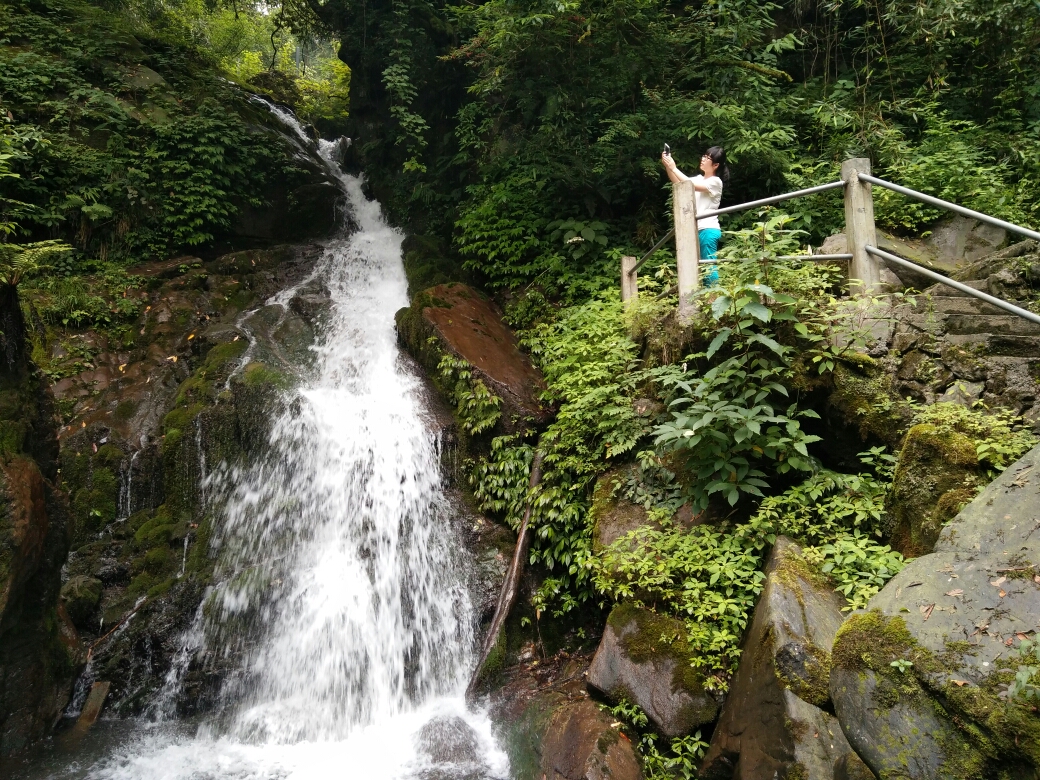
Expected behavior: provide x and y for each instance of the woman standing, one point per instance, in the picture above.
(707, 187)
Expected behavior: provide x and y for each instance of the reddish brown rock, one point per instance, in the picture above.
(581, 744)
(457, 320)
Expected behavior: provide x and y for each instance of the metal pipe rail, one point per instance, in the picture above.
(815, 257)
(743, 207)
(657, 246)
(920, 269)
(1009, 226)
(774, 199)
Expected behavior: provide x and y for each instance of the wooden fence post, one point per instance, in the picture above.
(629, 282)
(687, 247)
(859, 227)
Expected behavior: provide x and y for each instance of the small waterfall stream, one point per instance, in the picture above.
(340, 597)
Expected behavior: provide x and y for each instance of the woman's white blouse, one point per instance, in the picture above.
(708, 201)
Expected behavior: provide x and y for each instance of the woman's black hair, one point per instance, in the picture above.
(718, 156)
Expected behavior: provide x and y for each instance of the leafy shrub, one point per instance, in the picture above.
(676, 761)
(587, 360)
(709, 577)
(858, 565)
(728, 419)
(477, 408)
(1001, 437)
(1025, 688)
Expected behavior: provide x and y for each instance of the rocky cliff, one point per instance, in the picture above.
(39, 649)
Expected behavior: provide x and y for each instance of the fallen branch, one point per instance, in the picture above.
(511, 586)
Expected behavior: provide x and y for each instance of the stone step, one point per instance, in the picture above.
(999, 344)
(1003, 324)
(957, 304)
(945, 290)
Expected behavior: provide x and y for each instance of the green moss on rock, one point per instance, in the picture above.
(862, 394)
(935, 474)
(657, 636)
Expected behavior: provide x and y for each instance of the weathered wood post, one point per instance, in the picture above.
(629, 282)
(859, 226)
(687, 247)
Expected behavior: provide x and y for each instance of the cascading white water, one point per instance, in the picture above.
(341, 594)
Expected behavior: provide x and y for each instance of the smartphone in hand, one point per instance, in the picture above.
(667, 150)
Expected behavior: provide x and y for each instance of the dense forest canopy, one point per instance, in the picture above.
(482, 125)
(566, 105)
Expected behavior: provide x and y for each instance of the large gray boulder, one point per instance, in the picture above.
(773, 723)
(633, 664)
(950, 621)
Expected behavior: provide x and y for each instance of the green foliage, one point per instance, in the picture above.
(857, 564)
(587, 359)
(1001, 437)
(676, 761)
(728, 419)
(837, 517)
(1025, 688)
(707, 576)
(123, 141)
(18, 261)
(580, 238)
(477, 408)
(825, 504)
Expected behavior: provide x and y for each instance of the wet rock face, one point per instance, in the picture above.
(950, 619)
(197, 386)
(581, 744)
(39, 649)
(455, 319)
(775, 722)
(632, 663)
(551, 729)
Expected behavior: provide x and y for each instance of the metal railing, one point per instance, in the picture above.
(945, 204)
(860, 233)
(744, 207)
(990, 299)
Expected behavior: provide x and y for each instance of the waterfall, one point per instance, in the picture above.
(339, 595)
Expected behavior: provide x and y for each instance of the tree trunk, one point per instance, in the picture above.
(511, 585)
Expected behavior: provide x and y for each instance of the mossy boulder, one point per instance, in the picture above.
(612, 515)
(936, 470)
(644, 659)
(862, 397)
(951, 619)
(775, 721)
(80, 596)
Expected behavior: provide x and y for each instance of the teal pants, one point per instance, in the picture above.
(709, 241)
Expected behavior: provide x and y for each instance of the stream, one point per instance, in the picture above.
(340, 596)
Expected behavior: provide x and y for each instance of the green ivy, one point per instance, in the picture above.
(678, 759)
(477, 408)
(707, 576)
(588, 362)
